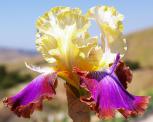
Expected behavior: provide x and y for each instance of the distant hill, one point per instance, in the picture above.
(13, 55)
(140, 47)
(22, 51)
(14, 58)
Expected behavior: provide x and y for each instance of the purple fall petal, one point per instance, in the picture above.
(109, 95)
(31, 97)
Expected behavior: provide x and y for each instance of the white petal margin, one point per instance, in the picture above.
(39, 69)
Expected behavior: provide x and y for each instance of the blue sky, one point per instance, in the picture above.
(17, 17)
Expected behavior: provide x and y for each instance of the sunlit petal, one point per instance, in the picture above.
(59, 33)
(110, 22)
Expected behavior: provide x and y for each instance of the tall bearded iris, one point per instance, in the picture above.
(64, 41)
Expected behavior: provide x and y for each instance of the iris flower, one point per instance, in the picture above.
(82, 61)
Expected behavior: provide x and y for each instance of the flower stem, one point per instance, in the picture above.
(78, 111)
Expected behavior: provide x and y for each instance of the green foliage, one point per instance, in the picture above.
(9, 79)
(2, 72)
(150, 107)
(133, 65)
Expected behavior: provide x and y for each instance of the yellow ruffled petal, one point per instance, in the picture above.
(95, 56)
(106, 15)
(110, 22)
(89, 53)
(44, 44)
(89, 58)
(61, 32)
(85, 43)
(58, 10)
(61, 9)
(72, 18)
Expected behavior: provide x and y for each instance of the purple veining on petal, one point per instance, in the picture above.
(113, 67)
(30, 98)
(109, 95)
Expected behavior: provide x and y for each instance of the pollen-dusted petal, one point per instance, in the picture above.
(124, 74)
(24, 103)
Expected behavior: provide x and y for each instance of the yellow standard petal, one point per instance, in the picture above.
(59, 32)
(110, 22)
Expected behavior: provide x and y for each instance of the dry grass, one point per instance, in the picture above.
(140, 47)
(142, 82)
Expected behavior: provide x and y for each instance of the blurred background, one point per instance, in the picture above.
(17, 45)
